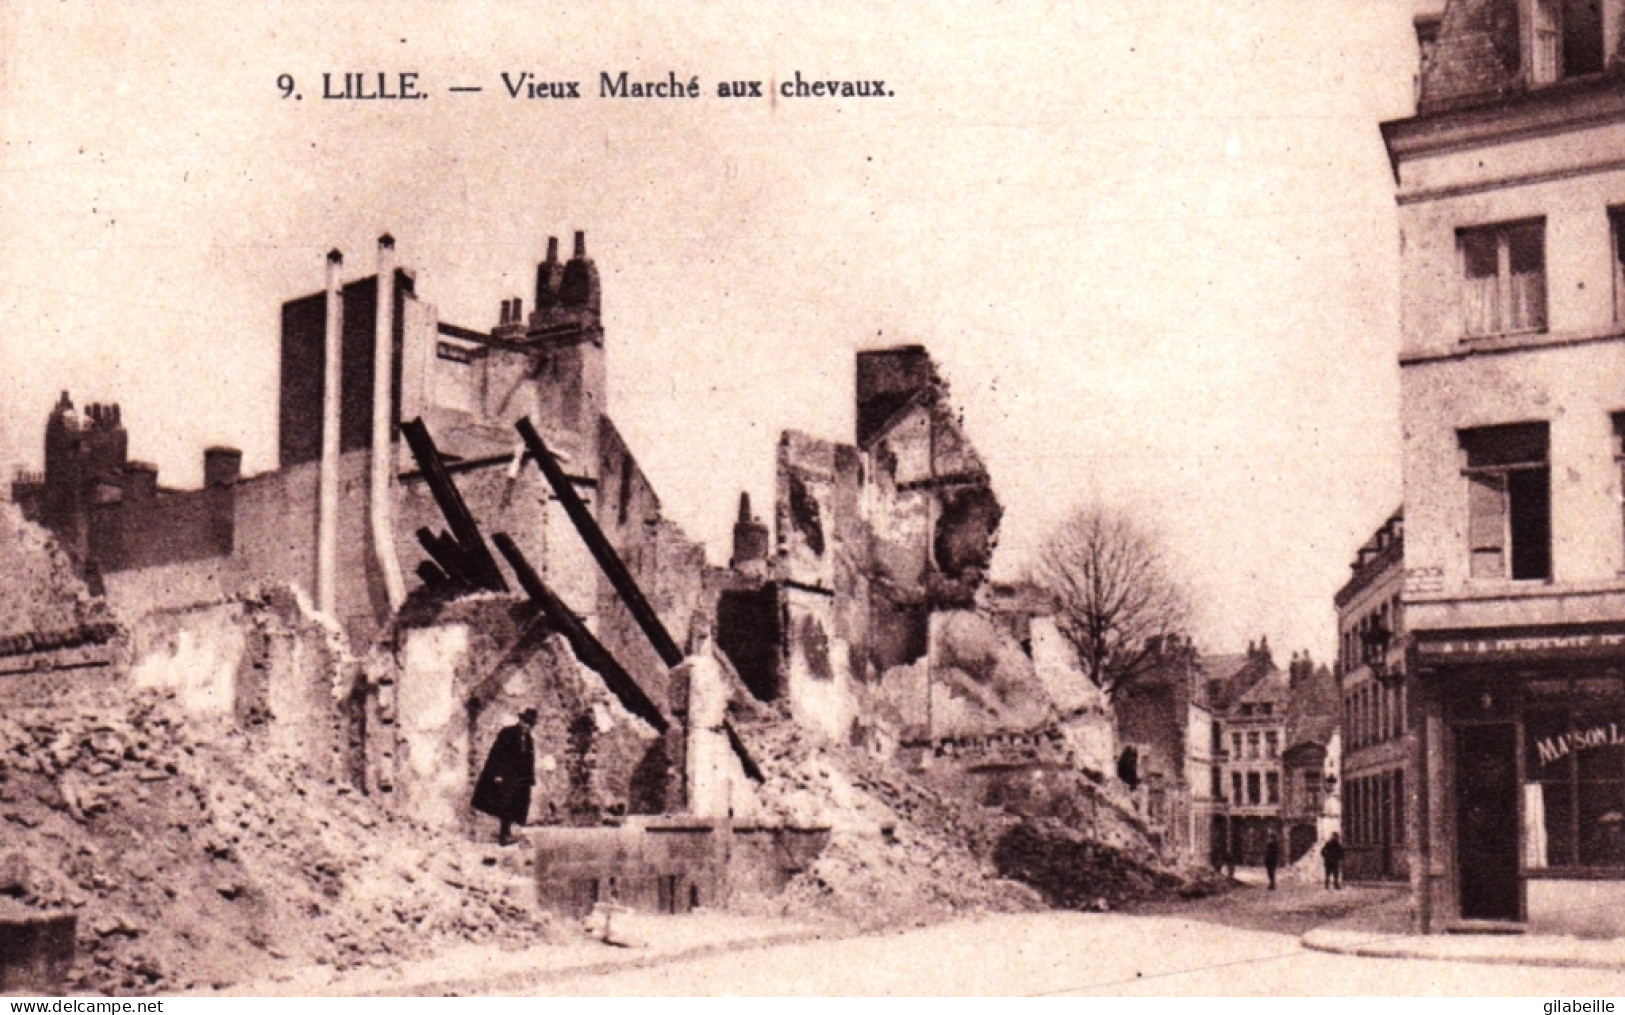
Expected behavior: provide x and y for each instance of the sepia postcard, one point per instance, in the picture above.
(1108, 497)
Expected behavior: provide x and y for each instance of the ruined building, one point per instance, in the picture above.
(872, 619)
(346, 519)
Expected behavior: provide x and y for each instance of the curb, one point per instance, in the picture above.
(530, 978)
(1376, 947)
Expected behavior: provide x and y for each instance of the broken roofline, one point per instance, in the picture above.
(586, 647)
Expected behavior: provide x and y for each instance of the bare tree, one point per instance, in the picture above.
(1115, 597)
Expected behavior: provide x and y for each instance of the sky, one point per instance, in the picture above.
(1151, 244)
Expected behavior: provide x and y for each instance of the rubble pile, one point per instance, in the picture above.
(898, 852)
(195, 855)
(41, 593)
(1075, 871)
(906, 849)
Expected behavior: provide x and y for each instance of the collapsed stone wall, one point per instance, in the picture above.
(42, 594)
(196, 805)
(446, 683)
(823, 599)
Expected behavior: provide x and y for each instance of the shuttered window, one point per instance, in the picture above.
(1508, 501)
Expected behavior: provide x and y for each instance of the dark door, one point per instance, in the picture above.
(1487, 821)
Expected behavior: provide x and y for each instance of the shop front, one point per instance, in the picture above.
(1520, 735)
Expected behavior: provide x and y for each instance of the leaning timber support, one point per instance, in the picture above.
(587, 647)
(482, 566)
(625, 586)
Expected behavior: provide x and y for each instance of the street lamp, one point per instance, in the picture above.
(1374, 641)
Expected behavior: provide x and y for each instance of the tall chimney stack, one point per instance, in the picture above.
(327, 497)
(383, 459)
(548, 276)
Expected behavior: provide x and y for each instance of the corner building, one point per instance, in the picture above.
(1511, 195)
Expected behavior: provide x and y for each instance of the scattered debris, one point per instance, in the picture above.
(195, 858)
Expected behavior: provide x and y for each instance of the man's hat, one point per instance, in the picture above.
(528, 715)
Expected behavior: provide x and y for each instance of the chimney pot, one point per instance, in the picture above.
(581, 246)
(505, 312)
(552, 250)
(334, 257)
(386, 241)
(221, 466)
(518, 309)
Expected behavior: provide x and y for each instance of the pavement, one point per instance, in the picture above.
(640, 940)
(1373, 921)
(1368, 922)
(1383, 931)
(1492, 949)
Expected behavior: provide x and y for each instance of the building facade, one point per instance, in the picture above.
(1254, 734)
(1308, 790)
(1371, 682)
(1167, 741)
(1511, 195)
(1245, 740)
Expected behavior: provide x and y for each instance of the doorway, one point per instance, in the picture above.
(1487, 821)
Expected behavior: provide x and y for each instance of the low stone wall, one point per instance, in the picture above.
(668, 864)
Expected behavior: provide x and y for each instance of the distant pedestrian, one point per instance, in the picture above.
(503, 789)
(1272, 858)
(1332, 853)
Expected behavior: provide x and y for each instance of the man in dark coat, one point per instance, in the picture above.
(1272, 858)
(503, 789)
(1332, 854)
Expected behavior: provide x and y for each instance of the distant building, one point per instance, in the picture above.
(1165, 737)
(1511, 195)
(1268, 728)
(1252, 702)
(1311, 737)
(1377, 756)
(109, 513)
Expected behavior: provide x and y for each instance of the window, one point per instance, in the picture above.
(1399, 807)
(1235, 748)
(1253, 795)
(625, 491)
(1567, 39)
(1272, 745)
(1619, 460)
(1272, 781)
(1252, 745)
(1509, 503)
(1616, 220)
(1235, 787)
(1218, 784)
(1311, 791)
(1246, 710)
(1266, 709)
(1503, 278)
(1217, 742)
(1574, 801)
